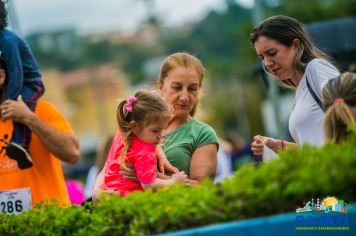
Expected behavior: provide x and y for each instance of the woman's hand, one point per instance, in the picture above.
(162, 176)
(260, 141)
(180, 177)
(163, 163)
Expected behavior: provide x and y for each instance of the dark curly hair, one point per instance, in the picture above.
(3, 14)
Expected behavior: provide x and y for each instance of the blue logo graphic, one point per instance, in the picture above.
(328, 214)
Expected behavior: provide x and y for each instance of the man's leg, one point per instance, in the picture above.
(17, 149)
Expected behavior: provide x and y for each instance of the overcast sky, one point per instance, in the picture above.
(108, 15)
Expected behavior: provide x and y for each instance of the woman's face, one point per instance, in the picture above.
(277, 57)
(180, 90)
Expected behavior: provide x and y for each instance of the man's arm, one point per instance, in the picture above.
(63, 145)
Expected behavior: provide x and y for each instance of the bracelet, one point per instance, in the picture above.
(282, 144)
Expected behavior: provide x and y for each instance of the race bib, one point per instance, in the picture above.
(15, 201)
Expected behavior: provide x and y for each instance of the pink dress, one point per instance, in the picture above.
(141, 155)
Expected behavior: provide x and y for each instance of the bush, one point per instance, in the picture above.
(270, 188)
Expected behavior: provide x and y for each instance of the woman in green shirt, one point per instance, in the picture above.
(189, 145)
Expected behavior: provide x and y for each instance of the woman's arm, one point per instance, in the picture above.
(274, 144)
(98, 185)
(203, 164)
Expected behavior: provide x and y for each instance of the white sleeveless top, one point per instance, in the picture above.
(305, 121)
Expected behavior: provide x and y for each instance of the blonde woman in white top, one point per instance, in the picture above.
(289, 55)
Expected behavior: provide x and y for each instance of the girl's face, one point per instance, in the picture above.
(277, 57)
(180, 90)
(151, 134)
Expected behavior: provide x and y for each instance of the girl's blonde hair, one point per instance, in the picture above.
(103, 152)
(339, 96)
(148, 108)
(182, 59)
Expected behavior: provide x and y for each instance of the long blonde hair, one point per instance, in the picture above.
(148, 108)
(182, 59)
(103, 152)
(285, 30)
(339, 97)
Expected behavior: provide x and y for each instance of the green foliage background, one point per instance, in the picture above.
(254, 191)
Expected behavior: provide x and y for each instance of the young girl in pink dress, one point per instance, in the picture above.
(141, 119)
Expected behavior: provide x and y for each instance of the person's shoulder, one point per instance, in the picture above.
(45, 108)
(197, 124)
(138, 145)
(321, 69)
(205, 134)
(141, 152)
(51, 115)
(9, 36)
(318, 72)
(44, 104)
(319, 63)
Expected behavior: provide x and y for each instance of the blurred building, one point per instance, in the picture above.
(88, 98)
(63, 42)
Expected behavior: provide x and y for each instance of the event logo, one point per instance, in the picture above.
(3, 144)
(328, 214)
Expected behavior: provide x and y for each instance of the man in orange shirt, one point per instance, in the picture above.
(52, 141)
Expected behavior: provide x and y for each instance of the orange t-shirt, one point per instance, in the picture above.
(45, 178)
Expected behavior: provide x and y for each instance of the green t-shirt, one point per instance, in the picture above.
(180, 144)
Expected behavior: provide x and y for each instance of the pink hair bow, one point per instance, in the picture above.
(338, 100)
(129, 102)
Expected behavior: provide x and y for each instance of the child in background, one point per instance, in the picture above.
(75, 191)
(23, 78)
(339, 100)
(141, 119)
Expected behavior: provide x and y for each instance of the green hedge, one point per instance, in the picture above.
(253, 191)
